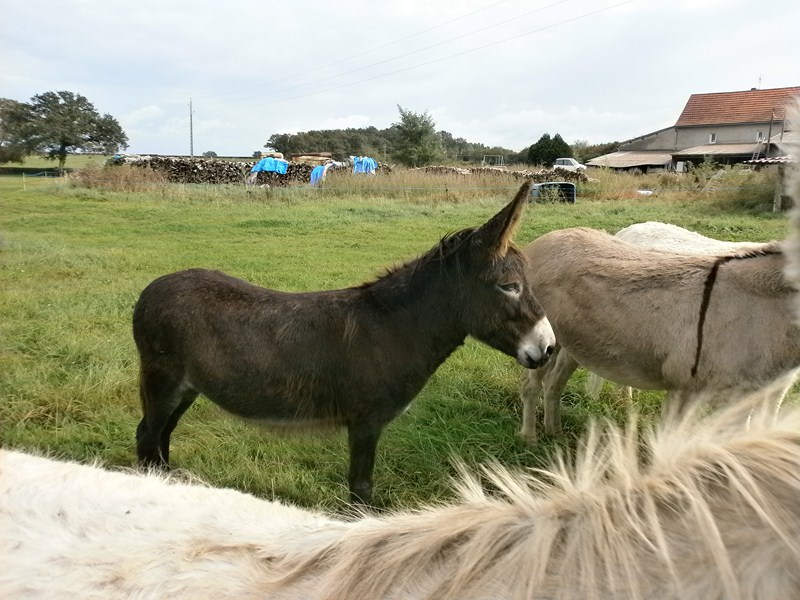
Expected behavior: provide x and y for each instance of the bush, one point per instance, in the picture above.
(121, 178)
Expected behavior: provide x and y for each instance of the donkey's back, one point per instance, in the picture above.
(258, 353)
(667, 237)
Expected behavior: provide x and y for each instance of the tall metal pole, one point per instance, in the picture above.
(191, 130)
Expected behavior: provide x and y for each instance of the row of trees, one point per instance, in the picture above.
(414, 141)
(55, 124)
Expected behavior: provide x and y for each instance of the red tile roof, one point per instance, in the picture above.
(752, 106)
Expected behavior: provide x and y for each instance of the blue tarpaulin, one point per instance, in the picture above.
(317, 174)
(364, 164)
(270, 164)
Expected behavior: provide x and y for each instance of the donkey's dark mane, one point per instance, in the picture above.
(452, 244)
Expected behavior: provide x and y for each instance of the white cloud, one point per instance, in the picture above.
(144, 114)
(354, 121)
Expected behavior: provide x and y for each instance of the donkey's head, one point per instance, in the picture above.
(499, 307)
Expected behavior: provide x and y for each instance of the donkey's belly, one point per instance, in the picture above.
(638, 370)
(303, 425)
(275, 402)
(626, 374)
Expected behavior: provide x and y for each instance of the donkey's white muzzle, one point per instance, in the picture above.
(536, 347)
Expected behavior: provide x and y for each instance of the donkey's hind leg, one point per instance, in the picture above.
(164, 400)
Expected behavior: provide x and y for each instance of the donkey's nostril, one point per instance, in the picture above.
(548, 352)
(535, 360)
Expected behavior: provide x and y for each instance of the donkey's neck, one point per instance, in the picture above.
(423, 298)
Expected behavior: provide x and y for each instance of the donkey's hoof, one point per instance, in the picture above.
(361, 495)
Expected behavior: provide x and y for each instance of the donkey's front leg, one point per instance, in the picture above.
(363, 441)
(530, 391)
(555, 381)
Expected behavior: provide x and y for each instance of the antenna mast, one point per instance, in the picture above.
(191, 130)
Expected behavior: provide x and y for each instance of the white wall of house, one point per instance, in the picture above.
(664, 139)
(675, 139)
(688, 137)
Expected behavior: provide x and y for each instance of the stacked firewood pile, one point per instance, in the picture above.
(179, 169)
(557, 174)
(493, 171)
(441, 170)
(295, 173)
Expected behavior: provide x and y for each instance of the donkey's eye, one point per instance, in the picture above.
(513, 288)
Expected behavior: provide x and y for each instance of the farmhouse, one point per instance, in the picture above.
(729, 127)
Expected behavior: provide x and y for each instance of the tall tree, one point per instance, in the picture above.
(561, 148)
(417, 142)
(539, 152)
(56, 123)
(547, 149)
(11, 148)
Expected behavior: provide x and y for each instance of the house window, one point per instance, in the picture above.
(760, 136)
(712, 138)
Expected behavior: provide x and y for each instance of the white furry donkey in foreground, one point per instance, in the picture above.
(702, 508)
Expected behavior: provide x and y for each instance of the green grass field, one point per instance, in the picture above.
(74, 261)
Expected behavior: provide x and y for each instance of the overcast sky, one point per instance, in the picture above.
(495, 72)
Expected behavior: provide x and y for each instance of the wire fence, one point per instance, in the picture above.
(420, 188)
(28, 178)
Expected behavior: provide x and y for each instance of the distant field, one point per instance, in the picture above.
(33, 164)
(74, 261)
(74, 161)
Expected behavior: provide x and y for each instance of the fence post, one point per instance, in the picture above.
(777, 198)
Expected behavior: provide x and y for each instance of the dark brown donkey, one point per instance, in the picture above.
(354, 357)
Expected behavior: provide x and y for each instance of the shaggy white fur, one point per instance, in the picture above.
(706, 508)
(76, 531)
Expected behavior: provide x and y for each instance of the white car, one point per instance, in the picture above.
(568, 164)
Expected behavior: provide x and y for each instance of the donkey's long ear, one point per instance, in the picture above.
(498, 231)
